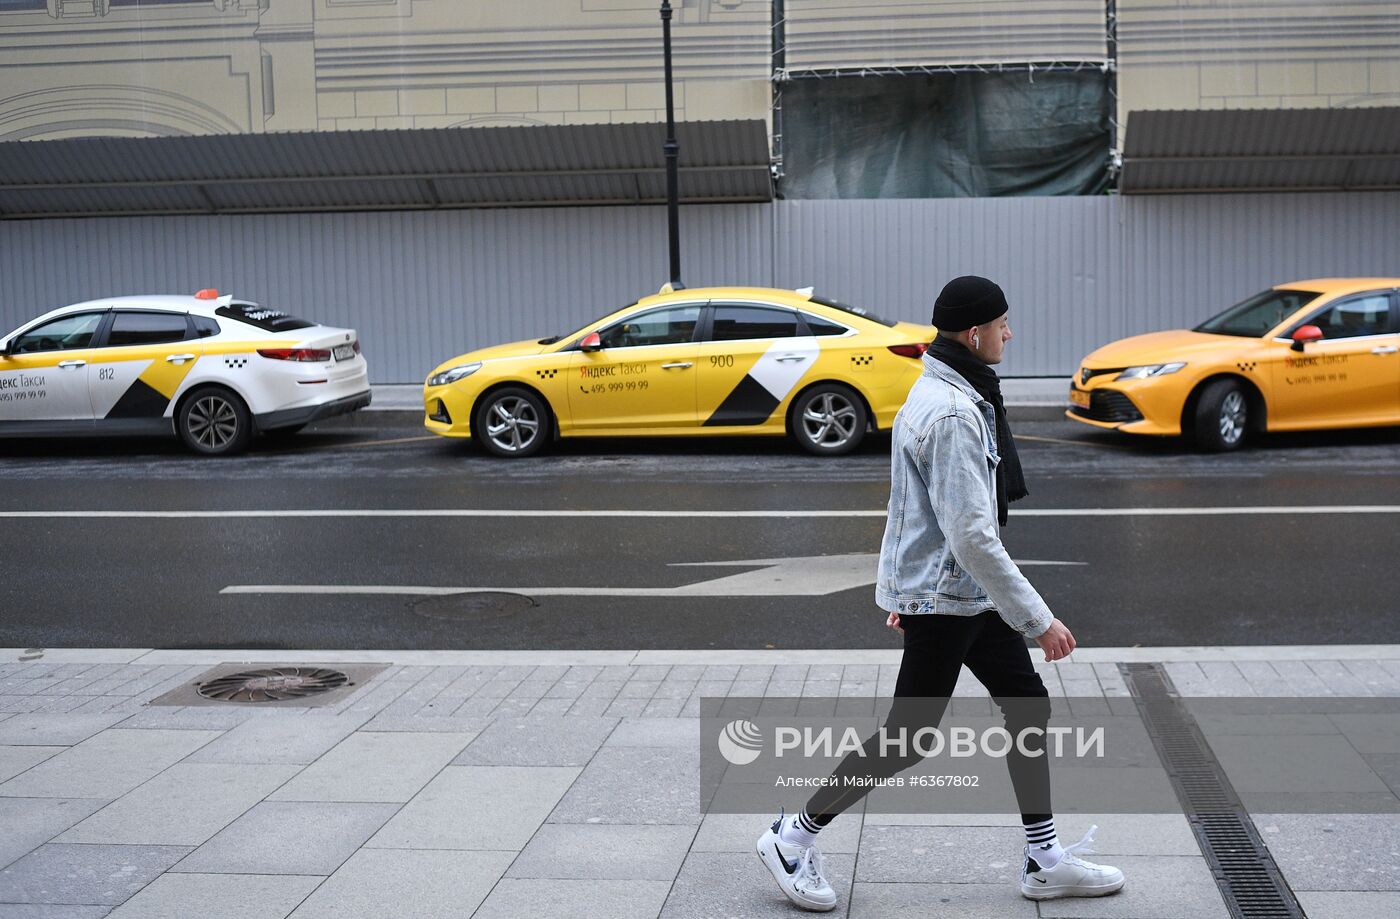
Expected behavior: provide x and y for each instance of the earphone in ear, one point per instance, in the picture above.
(975, 343)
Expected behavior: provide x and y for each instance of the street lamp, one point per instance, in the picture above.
(673, 153)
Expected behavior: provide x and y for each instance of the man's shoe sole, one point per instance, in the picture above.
(1056, 893)
(792, 897)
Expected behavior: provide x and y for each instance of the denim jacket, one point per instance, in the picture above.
(941, 551)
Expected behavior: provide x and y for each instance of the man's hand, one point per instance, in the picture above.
(1056, 641)
(893, 622)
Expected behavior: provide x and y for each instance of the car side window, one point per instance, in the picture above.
(658, 327)
(739, 322)
(63, 334)
(132, 328)
(204, 327)
(816, 325)
(1354, 317)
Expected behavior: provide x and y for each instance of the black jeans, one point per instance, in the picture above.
(935, 649)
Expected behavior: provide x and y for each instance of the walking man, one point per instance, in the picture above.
(957, 598)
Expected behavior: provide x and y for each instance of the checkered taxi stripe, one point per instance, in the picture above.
(546, 374)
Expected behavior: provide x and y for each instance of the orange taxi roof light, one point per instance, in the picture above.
(207, 293)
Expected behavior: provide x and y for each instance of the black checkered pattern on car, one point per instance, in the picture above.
(1247, 366)
(862, 360)
(546, 374)
(235, 362)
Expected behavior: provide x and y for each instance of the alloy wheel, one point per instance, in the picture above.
(829, 420)
(213, 422)
(512, 424)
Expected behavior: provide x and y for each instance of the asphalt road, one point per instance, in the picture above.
(560, 578)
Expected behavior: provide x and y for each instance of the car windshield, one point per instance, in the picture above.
(1256, 316)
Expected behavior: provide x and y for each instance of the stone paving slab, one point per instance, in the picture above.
(514, 898)
(183, 896)
(107, 765)
(374, 767)
(85, 875)
(610, 852)
(28, 823)
(478, 807)
(289, 837)
(184, 806)
(378, 883)
(41, 911)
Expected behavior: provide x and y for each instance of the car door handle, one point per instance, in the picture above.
(66, 364)
(1387, 349)
(179, 358)
(789, 358)
(678, 365)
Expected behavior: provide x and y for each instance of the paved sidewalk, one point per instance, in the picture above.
(544, 784)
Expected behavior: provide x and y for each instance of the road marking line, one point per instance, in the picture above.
(1259, 510)
(810, 576)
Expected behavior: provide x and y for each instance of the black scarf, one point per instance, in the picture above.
(1011, 484)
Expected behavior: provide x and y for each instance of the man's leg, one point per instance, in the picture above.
(934, 648)
(1001, 661)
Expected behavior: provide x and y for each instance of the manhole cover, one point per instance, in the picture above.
(273, 685)
(474, 607)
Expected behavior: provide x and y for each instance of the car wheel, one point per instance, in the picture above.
(214, 422)
(512, 422)
(1222, 417)
(829, 420)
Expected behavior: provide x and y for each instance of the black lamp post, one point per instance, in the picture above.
(673, 153)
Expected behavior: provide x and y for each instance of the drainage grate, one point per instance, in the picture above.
(1245, 872)
(277, 684)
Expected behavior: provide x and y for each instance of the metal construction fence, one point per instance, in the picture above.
(422, 286)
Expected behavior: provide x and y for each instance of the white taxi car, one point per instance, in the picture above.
(214, 369)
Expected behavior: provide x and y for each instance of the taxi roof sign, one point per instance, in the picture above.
(208, 293)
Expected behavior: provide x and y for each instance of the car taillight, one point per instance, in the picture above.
(295, 354)
(914, 351)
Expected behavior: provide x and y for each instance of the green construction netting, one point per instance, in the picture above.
(946, 135)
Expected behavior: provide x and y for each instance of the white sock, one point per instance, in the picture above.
(797, 832)
(1043, 844)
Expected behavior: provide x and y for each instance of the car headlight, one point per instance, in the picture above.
(453, 374)
(1149, 370)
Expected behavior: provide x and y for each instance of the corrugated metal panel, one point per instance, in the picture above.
(832, 34)
(384, 166)
(1266, 149)
(422, 286)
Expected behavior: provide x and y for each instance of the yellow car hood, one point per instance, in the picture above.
(1164, 347)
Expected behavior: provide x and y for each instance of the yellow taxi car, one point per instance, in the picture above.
(1300, 356)
(703, 361)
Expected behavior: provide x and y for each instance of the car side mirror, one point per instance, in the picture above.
(1304, 335)
(4, 349)
(592, 342)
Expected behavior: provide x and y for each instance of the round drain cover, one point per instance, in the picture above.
(475, 607)
(273, 685)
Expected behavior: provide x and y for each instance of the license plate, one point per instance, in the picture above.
(344, 352)
(1079, 398)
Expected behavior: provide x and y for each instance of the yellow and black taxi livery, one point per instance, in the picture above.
(718, 361)
(1307, 355)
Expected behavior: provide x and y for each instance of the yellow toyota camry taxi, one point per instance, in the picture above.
(1299, 356)
(704, 361)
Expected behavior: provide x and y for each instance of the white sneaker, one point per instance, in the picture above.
(797, 869)
(1072, 876)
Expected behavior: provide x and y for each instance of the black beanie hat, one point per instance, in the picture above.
(968, 301)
